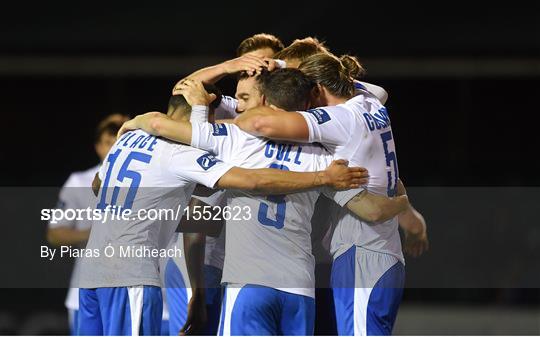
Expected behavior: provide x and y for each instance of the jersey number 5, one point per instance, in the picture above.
(391, 163)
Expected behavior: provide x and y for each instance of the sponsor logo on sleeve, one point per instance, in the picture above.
(206, 161)
(219, 130)
(321, 115)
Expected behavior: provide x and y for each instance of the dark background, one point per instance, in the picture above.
(463, 81)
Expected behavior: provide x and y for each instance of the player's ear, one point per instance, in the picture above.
(264, 101)
(315, 94)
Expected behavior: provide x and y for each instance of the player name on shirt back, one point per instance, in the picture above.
(141, 142)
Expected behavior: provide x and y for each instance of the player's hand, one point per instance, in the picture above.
(139, 122)
(414, 226)
(196, 317)
(271, 64)
(194, 92)
(249, 63)
(341, 177)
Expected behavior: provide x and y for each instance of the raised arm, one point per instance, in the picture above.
(272, 123)
(159, 124)
(272, 181)
(249, 63)
(376, 90)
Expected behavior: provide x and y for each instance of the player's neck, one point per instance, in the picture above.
(179, 116)
(332, 100)
(328, 99)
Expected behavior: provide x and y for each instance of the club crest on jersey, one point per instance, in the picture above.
(219, 130)
(206, 161)
(321, 115)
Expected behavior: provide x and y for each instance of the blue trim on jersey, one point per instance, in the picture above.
(260, 310)
(175, 287)
(106, 311)
(359, 85)
(384, 301)
(342, 283)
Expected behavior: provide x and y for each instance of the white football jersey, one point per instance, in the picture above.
(359, 130)
(227, 108)
(143, 174)
(76, 194)
(268, 239)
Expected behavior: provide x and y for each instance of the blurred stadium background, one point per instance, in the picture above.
(463, 82)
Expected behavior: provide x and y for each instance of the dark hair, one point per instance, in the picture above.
(259, 41)
(179, 101)
(287, 88)
(301, 49)
(109, 125)
(336, 75)
(110, 128)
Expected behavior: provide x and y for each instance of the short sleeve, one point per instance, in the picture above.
(227, 108)
(214, 199)
(379, 92)
(329, 125)
(199, 114)
(223, 140)
(194, 165)
(342, 197)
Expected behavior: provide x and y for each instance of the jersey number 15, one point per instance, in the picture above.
(124, 172)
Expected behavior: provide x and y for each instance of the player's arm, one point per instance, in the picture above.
(199, 135)
(377, 208)
(328, 125)
(194, 250)
(379, 92)
(159, 124)
(248, 63)
(414, 227)
(275, 124)
(194, 221)
(272, 181)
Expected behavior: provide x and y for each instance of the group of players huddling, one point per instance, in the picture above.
(302, 127)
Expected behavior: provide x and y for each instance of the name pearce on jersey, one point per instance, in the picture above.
(141, 141)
